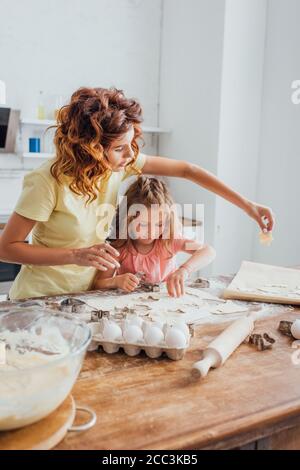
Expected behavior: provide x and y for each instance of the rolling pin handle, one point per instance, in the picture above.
(201, 368)
(211, 359)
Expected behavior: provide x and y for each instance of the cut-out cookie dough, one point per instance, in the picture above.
(195, 305)
(266, 238)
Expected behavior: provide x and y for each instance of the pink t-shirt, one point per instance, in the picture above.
(157, 265)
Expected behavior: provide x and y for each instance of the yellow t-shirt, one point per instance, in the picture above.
(64, 220)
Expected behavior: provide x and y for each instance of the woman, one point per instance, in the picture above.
(64, 201)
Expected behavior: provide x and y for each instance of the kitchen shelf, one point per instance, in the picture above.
(37, 155)
(49, 122)
(38, 122)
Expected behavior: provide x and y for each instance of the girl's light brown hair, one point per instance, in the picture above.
(148, 192)
(86, 127)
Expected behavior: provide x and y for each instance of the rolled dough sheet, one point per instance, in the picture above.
(265, 283)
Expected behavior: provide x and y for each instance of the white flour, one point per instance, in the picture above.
(29, 392)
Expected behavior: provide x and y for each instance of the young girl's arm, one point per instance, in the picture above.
(169, 167)
(108, 280)
(202, 255)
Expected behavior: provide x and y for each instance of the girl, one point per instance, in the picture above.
(151, 241)
(96, 142)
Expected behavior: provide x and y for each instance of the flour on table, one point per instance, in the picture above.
(228, 307)
(197, 305)
(153, 301)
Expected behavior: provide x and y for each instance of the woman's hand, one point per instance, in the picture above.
(101, 257)
(175, 282)
(263, 216)
(127, 282)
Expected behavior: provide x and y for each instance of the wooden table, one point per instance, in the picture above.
(253, 401)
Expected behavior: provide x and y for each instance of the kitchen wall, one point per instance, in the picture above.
(191, 70)
(240, 128)
(226, 75)
(216, 72)
(279, 162)
(57, 46)
(210, 95)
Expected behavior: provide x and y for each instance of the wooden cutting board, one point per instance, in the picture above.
(44, 434)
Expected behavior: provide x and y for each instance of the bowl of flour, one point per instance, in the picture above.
(41, 354)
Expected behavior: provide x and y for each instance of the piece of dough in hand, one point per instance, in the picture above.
(266, 238)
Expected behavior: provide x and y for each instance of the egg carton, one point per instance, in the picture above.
(132, 349)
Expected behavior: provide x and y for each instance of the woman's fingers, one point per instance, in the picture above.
(104, 262)
(98, 266)
(101, 262)
(107, 247)
(271, 221)
(110, 259)
(264, 217)
(104, 257)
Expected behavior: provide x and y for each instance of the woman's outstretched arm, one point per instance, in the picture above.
(162, 166)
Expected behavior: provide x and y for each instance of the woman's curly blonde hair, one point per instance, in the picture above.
(86, 127)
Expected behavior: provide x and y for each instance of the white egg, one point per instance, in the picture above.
(124, 324)
(133, 334)
(111, 331)
(138, 321)
(158, 324)
(175, 338)
(153, 335)
(295, 329)
(182, 327)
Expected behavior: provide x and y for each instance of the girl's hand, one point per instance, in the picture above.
(127, 282)
(99, 256)
(175, 282)
(263, 216)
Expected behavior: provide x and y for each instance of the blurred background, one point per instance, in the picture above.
(215, 79)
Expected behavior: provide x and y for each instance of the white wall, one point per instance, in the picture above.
(59, 45)
(240, 125)
(279, 169)
(191, 66)
(223, 86)
(210, 95)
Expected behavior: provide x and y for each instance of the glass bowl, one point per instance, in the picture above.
(41, 360)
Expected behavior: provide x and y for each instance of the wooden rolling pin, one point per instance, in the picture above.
(223, 346)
